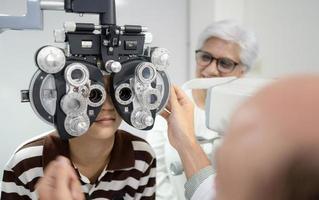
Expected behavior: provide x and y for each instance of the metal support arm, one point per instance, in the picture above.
(33, 19)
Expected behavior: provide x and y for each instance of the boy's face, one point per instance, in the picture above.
(108, 120)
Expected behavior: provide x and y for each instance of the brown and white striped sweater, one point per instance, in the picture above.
(130, 174)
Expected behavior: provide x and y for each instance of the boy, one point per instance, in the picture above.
(109, 163)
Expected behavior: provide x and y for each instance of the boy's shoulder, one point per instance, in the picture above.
(137, 152)
(29, 152)
(138, 144)
(25, 166)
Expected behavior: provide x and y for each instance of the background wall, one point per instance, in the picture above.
(288, 32)
(166, 20)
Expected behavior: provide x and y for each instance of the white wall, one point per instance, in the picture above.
(201, 13)
(288, 33)
(166, 20)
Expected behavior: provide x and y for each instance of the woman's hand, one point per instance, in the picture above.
(180, 118)
(59, 182)
(181, 134)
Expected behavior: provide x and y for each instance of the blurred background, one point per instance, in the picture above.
(287, 31)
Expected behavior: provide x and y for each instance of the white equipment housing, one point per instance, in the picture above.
(223, 99)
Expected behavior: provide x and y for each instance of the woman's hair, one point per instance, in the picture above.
(230, 30)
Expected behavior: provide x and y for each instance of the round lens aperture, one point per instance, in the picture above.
(97, 95)
(77, 74)
(145, 72)
(124, 94)
(152, 99)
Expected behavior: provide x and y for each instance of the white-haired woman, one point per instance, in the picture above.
(224, 49)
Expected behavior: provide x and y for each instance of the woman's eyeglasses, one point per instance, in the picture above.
(224, 65)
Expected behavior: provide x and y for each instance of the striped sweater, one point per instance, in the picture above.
(130, 173)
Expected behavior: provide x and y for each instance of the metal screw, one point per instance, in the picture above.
(106, 42)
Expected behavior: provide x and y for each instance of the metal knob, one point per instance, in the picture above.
(51, 59)
(77, 126)
(69, 26)
(80, 126)
(141, 118)
(73, 104)
(160, 58)
(112, 66)
(148, 120)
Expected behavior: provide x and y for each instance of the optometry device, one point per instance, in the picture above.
(224, 96)
(68, 91)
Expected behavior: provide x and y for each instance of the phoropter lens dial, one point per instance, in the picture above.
(77, 74)
(145, 72)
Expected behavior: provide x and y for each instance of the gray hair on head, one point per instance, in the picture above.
(230, 30)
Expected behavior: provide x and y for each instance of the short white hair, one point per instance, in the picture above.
(230, 30)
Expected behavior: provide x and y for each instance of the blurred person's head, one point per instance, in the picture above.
(224, 49)
(271, 150)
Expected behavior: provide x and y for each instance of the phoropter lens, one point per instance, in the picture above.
(146, 73)
(96, 95)
(153, 99)
(77, 75)
(125, 94)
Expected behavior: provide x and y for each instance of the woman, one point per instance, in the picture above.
(224, 49)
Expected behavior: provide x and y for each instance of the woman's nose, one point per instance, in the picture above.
(211, 70)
